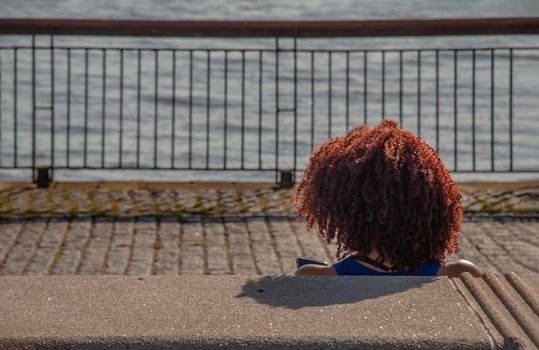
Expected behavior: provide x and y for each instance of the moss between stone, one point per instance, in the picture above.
(56, 257)
(25, 196)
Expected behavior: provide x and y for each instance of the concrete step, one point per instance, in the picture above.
(192, 312)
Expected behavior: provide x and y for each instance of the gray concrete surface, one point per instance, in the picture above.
(161, 312)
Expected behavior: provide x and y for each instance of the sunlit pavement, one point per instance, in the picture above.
(165, 229)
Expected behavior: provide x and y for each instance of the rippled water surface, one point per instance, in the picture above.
(243, 146)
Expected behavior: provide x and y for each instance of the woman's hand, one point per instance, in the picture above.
(316, 270)
(458, 267)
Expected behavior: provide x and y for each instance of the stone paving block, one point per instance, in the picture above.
(60, 202)
(144, 202)
(165, 200)
(20, 202)
(167, 250)
(186, 200)
(49, 247)
(24, 248)
(469, 251)
(264, 250)
(526, 230)
(495, 243)
(251, 202)
(208, 200)
(522, 257)
(80, 200)
(311, 246)
(39, 200)
(287, 204)
(231, 202)
(123, 203)
(143, 250)
(489, 247)
(101, 201)
(526, 205)
(75, 242)
(238, 246)
(94, 256)
(192, 247)
(9, 233)
(5, 200)
(216, 247)
(121, 246)
(286, 243)
(273, 203)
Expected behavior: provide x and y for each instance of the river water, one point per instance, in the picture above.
(260, 151)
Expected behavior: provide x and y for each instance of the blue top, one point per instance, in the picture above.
(349, 266)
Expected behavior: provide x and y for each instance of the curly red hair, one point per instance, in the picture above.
(382, 188)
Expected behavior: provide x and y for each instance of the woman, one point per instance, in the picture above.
(386, 198)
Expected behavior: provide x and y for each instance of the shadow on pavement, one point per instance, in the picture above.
(294, 292)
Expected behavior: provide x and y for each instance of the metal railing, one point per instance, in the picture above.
(262, 107)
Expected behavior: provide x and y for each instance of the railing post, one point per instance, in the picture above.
(34, 102)
(52, 97)
(286, 178)
(42, 176)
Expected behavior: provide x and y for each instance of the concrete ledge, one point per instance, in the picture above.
(267, 312)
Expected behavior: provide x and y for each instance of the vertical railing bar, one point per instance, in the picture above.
(347, 90)
(15, 102)
(455, 106)
(295, 105)
(473, 110)
(419, 92)
(242, 109)
(1, 107)
(492, 125)
(34, 103)
(276, 107)
(190, 109)
(365, 53)
(139, 81)
(400, 88)
(312, 100)
(383, 84)
(173, 116)
(437, 97)
(260, 109)
(330, 83)
(225, 128)
(53, 133)
(85, 147)
(121, 107)
(155, 106)
(103, 106)
(68, 108)
(208, 91)
(510, 109)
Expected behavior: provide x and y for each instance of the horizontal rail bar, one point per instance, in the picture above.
(219, 28)
(238, 169)
(263, 49)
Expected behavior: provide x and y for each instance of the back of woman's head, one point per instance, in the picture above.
(382, 188)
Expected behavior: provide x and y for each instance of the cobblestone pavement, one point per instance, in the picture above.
(107, 230)
(72, 200)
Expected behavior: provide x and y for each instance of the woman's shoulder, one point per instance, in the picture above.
(316, 270)
(451, 269)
